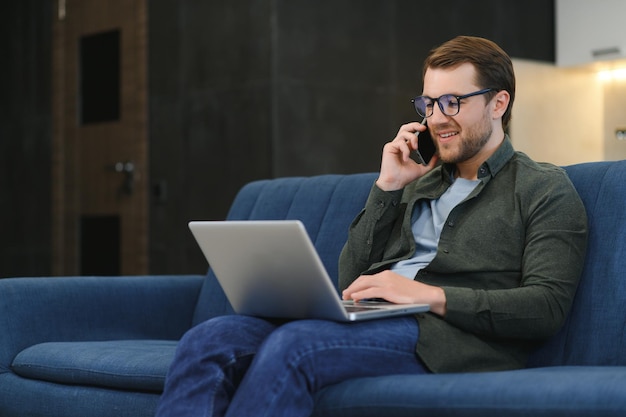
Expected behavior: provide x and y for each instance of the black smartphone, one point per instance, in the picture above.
(426, 147)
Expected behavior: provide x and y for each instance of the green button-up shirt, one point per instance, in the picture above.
(509, 259)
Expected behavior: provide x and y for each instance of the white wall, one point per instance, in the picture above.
(567, 115)
(614, 118)
(558, 113)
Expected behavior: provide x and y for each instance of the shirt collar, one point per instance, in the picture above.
(498, 160)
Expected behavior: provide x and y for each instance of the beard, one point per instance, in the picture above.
(470, 141)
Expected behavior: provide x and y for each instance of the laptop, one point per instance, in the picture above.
(271, 269)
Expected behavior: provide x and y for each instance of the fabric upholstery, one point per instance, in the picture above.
(541, 392)
(98, 363)
(22, 397)
(54, 323)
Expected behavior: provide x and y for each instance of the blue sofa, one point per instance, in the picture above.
(100, 346)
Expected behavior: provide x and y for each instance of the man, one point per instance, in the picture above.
(491, 240)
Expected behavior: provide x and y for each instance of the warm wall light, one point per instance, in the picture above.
(612, 74)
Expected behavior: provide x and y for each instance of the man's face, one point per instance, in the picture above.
(461, 137)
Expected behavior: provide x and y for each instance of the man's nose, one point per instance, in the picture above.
(438, 116)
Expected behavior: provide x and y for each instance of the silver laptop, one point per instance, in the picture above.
(271, 269)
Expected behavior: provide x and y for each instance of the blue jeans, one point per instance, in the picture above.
(244, 366)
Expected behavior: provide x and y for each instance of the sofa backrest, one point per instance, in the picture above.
(326, 204)
(595, 330)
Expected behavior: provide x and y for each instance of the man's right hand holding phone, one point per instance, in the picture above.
(397, 169)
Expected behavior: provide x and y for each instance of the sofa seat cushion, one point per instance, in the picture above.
(549, 392)
(138, 365)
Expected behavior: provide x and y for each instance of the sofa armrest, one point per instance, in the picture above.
(53, 309)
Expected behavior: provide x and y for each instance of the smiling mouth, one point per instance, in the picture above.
(447, 135)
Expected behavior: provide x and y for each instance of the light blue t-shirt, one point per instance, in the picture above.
(427, 222)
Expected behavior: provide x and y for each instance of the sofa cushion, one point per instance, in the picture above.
(126, 364)
(540, 392)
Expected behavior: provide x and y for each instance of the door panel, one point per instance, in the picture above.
(100, 138)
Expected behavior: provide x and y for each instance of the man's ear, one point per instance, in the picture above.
(500, 103)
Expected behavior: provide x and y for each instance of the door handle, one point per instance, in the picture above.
(128, 169)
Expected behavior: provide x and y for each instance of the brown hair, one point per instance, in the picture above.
(494, 68)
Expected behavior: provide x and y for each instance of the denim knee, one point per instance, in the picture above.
(229, 335)
(300, 337)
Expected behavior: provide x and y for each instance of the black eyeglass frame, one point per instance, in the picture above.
(441, 107)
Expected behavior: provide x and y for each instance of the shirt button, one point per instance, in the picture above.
(451, 223)
(381, 204)
(446, 251)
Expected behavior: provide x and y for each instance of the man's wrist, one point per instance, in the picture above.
(438, 306)
(389, 185)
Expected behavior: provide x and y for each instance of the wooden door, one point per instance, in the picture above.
(99, 178)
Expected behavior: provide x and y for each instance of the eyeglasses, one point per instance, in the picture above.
(449, 104)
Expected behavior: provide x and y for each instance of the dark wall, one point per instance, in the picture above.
(210, 116)
(345, 70)
(25, 138)
(241, 90)
(256, 89)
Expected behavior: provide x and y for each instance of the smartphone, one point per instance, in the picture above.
(425, 147)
